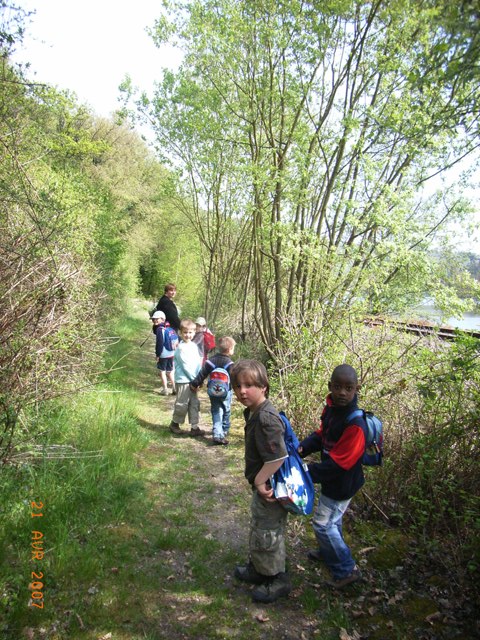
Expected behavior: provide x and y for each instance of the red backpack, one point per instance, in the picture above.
(208, 341)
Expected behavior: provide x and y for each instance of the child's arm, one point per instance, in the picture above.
(342, 457)
(349, 448)
(310, 444)
(269, 436)
(262, 478)
(204, 371)
(159, 342)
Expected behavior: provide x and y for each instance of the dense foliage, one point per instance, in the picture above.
(300, 136)
(79, 197)
(305, 134)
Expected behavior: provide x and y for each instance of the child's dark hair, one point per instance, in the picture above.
(169, 287)
(344, 370)
(253, 370)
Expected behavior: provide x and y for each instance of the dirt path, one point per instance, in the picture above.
(218, 497)
(216, 466)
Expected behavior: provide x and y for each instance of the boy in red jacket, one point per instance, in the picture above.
(340, 473)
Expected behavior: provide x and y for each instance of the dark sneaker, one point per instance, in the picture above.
(196, 431)
(339, 583)
(175, 427)
(315, 555)
(248, 573)
(274, 588)
(174, 392)
(220, 441)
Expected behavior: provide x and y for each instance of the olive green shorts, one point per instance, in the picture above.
(267, 536)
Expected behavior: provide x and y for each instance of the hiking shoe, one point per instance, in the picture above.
(164, 392)
(196, 431)
(274, 588)
(174, 392)
(220, 441)
(248, 573)
(175, 427)
(339, 583)
(315, 555)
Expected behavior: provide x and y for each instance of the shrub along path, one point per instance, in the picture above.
(164, 565)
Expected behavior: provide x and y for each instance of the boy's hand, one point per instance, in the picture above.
(265, 491)
(192, 388)
(300, 451)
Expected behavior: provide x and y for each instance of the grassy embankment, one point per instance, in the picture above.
(140, 541)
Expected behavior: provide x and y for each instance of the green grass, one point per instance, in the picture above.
(141, 541)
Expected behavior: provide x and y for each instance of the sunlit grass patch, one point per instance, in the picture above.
(91, 481)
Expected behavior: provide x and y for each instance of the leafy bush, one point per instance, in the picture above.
(74, 193)
(427, 393)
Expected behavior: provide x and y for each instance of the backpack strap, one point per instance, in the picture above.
(215, 366)
(355, 414)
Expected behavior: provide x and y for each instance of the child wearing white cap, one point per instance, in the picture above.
(165, 344)
(204, 338)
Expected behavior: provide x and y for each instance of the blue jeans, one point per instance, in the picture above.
(221, 415)
(327, 524)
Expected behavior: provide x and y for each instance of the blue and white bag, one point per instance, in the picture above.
(292, 484)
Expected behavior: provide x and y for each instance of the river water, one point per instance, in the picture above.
(468, 321)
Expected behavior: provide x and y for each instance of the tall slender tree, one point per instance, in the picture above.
(311, 127)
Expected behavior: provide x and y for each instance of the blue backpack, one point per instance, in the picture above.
(373, 455)
(292, 484)
(170, 339)
(218, 384)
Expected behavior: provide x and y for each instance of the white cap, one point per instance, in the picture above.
(201, 321)
(158, 314)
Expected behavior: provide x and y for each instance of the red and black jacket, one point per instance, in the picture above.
(342, 445)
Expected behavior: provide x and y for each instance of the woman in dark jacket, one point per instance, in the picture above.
(168, 306)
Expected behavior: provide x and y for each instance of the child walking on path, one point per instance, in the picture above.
(187, 365)
(340, 473)
(220, 406)
(164, 356)
(264, 454)
(203, 338)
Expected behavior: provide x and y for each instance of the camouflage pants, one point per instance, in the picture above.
(267, 536)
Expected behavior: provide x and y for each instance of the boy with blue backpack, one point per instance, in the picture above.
(219, 388)
(341, 439)
(165, 344)
(265, 452)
